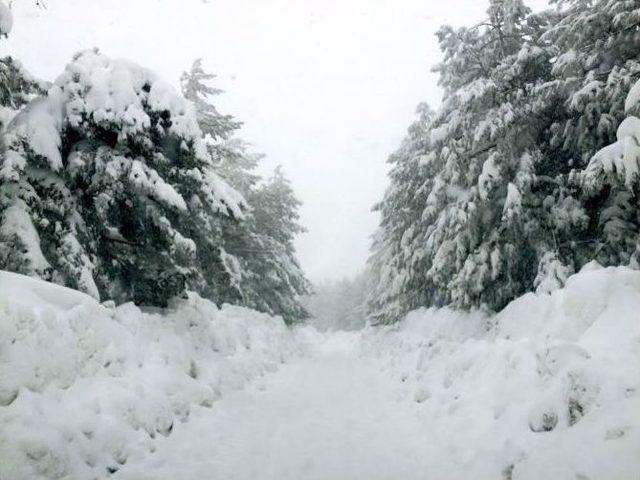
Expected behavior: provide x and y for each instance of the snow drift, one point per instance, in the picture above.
(86, 388)
(548, 388)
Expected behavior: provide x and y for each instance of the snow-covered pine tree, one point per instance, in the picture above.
(491, 230)
(106, 186)
(529, 99)
(399, 261)
(477, 159)
(258, 252)
(196, 87)
(273, 281)
(227, 154)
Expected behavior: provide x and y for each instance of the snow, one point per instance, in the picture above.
(16, 221)
(489, 176)
(439, 134)
(528, 53)
(513, 202)
(475, 90)
(6, 19)
(152, 184)
(12, 164)
(87, 388)
(114, 92)
(586, 94)
(73, 249)
(39, 124)
(552, 274)
(328, 416)
(633, 98)
(547, 388)
(620, 159)
(224, 198)
(565, 63)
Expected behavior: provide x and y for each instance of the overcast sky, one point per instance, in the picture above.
(325, 88)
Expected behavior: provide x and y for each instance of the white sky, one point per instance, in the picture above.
(327, 88)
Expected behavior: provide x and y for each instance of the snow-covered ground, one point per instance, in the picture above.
(87, 389)
(329, 416)
(549, 388)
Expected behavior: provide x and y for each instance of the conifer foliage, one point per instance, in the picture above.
(495, 194)
(259, 251)
(115, 184)
(274, 281)
(107, 186)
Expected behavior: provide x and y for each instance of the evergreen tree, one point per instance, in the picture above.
(497, 204)
(398, 255)
(273, 281)
(469, 170)
(196, 87)
(106, 186)
(258, 252)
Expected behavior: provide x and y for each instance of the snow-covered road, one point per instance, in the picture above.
(331, 415)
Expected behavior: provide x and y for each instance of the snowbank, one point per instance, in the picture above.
(548, 388)
(85, 388)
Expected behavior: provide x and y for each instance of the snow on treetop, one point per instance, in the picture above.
(113, 93)
(6, 19)
(121, 92)
(121, 97)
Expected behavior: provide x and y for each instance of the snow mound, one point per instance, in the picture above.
(548, 388)
(86, 388)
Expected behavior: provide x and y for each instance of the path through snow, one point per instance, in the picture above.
(331, 415)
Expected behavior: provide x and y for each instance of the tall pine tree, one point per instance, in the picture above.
(259, 252)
